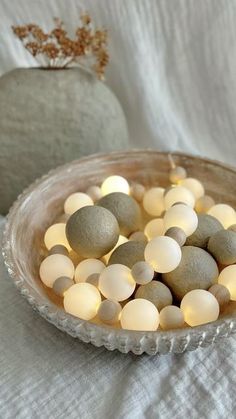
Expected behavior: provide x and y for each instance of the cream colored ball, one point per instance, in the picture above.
(227, 278)
(171, 317)
(163, 254)
(153, 201)
(56, 235)
(154, 228)
(194, 186)
(116, 282)
(179, 194)
(224, 213)
(76, 201)
(181, 216)
(133, 318)
(82, 300)
(88, 267)
(199, 307)
(115, 184)
(55, 266)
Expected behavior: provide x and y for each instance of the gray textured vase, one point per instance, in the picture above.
(48, 117)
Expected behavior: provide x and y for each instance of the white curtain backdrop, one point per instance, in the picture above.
(173, 65)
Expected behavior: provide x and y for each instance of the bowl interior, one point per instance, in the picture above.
(42, 203)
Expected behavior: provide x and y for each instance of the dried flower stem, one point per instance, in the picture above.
(60, 51)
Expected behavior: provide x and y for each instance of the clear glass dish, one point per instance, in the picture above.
(40, 204)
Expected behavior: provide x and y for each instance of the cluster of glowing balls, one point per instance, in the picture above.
(94, 289)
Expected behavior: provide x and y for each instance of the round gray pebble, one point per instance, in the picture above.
(207, 226)
(222, 246)
(142, 273)
(61, 285)
(125, 209)
(156, 292)
(109, 311)
(128, 253)
(197, 270)
(92, 231)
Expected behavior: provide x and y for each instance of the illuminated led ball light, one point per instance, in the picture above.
(76, 201)
(154, 228)
(55, 266)
(227, 278)
(194, 186)
(153, 201)
(133, 318)
(179, 194)
(82, 300)
(224, 213)
(88, 267)
(199, 307)
(56, 235)
(115, 184)
(181, 216)
(116, 282)
(163, 254)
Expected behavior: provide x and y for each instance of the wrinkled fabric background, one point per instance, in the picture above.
(173, 68)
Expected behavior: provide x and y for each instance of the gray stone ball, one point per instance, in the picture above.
(156, 292)
(92, 231)
(128, 253)
(222, 245)
(197, 270)
(125, 209)
(207, 226)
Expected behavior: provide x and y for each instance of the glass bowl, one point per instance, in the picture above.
(40, 204)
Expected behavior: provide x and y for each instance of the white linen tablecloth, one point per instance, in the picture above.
(46, 374)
